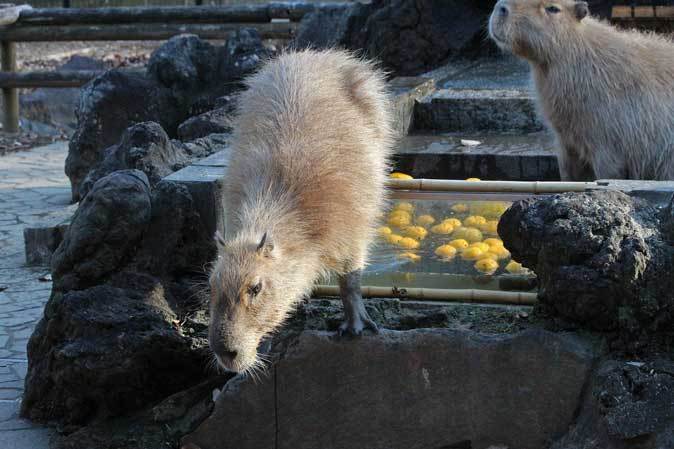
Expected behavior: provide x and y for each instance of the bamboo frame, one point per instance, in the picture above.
(437, 294)
(446, 185)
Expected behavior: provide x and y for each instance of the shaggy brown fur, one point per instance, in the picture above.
(304, 187)
(608, 94)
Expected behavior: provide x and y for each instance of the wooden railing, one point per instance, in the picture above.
(642, 12)
(273, 21)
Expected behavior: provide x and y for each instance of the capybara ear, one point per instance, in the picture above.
(581, 10)
(265, 247)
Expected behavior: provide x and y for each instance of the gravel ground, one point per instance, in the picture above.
(49, 55)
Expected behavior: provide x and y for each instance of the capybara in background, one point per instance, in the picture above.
(608, 94)
(303, 192)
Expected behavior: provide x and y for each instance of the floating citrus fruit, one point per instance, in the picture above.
(404, 206)
(459, 243)
(416, 232)
(394, 238)
(471, 253)
(455, 222)
(398, 175)
(487, 266)
(410, 256)
(384, 231)
(493, 242)
(424, 220)
(514, 267)
(459, 208)
(445, 251)
(470, 234)
(442, 228)
(475, 221)
(408, 243)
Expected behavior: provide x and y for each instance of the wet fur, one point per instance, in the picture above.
(607, 94)
(309, 158)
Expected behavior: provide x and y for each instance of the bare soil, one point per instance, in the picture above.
(50, 55)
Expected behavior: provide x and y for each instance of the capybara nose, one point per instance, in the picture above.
(230, 354)
(502, 11)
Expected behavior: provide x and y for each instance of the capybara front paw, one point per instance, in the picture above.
(355, 325)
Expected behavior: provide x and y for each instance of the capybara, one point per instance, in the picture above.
(607, 94)
(303, 192)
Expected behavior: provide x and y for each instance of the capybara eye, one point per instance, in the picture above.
(255, 289)
(552, 9)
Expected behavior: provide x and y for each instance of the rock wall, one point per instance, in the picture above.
(125, 325)
(409, 37)
(603, 259)
(184, 78)
(627, 405)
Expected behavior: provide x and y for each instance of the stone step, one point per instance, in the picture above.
(505, 157)
(471, 110)
(42, 238)
(405, 92)
(204, 182)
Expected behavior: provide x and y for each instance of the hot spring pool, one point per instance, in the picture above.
(445, 240)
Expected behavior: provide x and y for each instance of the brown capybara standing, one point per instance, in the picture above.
(303, 190)
(608, 94)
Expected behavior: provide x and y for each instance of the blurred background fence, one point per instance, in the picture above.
(112, 3)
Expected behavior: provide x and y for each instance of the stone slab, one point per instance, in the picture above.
(423, 388)
(657, 192)
(205, 185)
(41, 242)
(505, 157)
(219, 159)
(240, 396)
(504, 72)
(406, 91)
(494, 110)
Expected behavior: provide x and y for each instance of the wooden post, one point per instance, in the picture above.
(10, 95)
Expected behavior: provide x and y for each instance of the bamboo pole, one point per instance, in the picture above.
(10, 95)
(446, 185)
(140, 31)
(436, 294)
(61, 78)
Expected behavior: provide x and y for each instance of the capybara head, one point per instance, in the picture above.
(535, 29)
(246, 301)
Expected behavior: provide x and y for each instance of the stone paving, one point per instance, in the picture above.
(33, 190)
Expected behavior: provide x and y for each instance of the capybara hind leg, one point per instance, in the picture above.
(356, 318)
(572, 168)
(607, 166)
